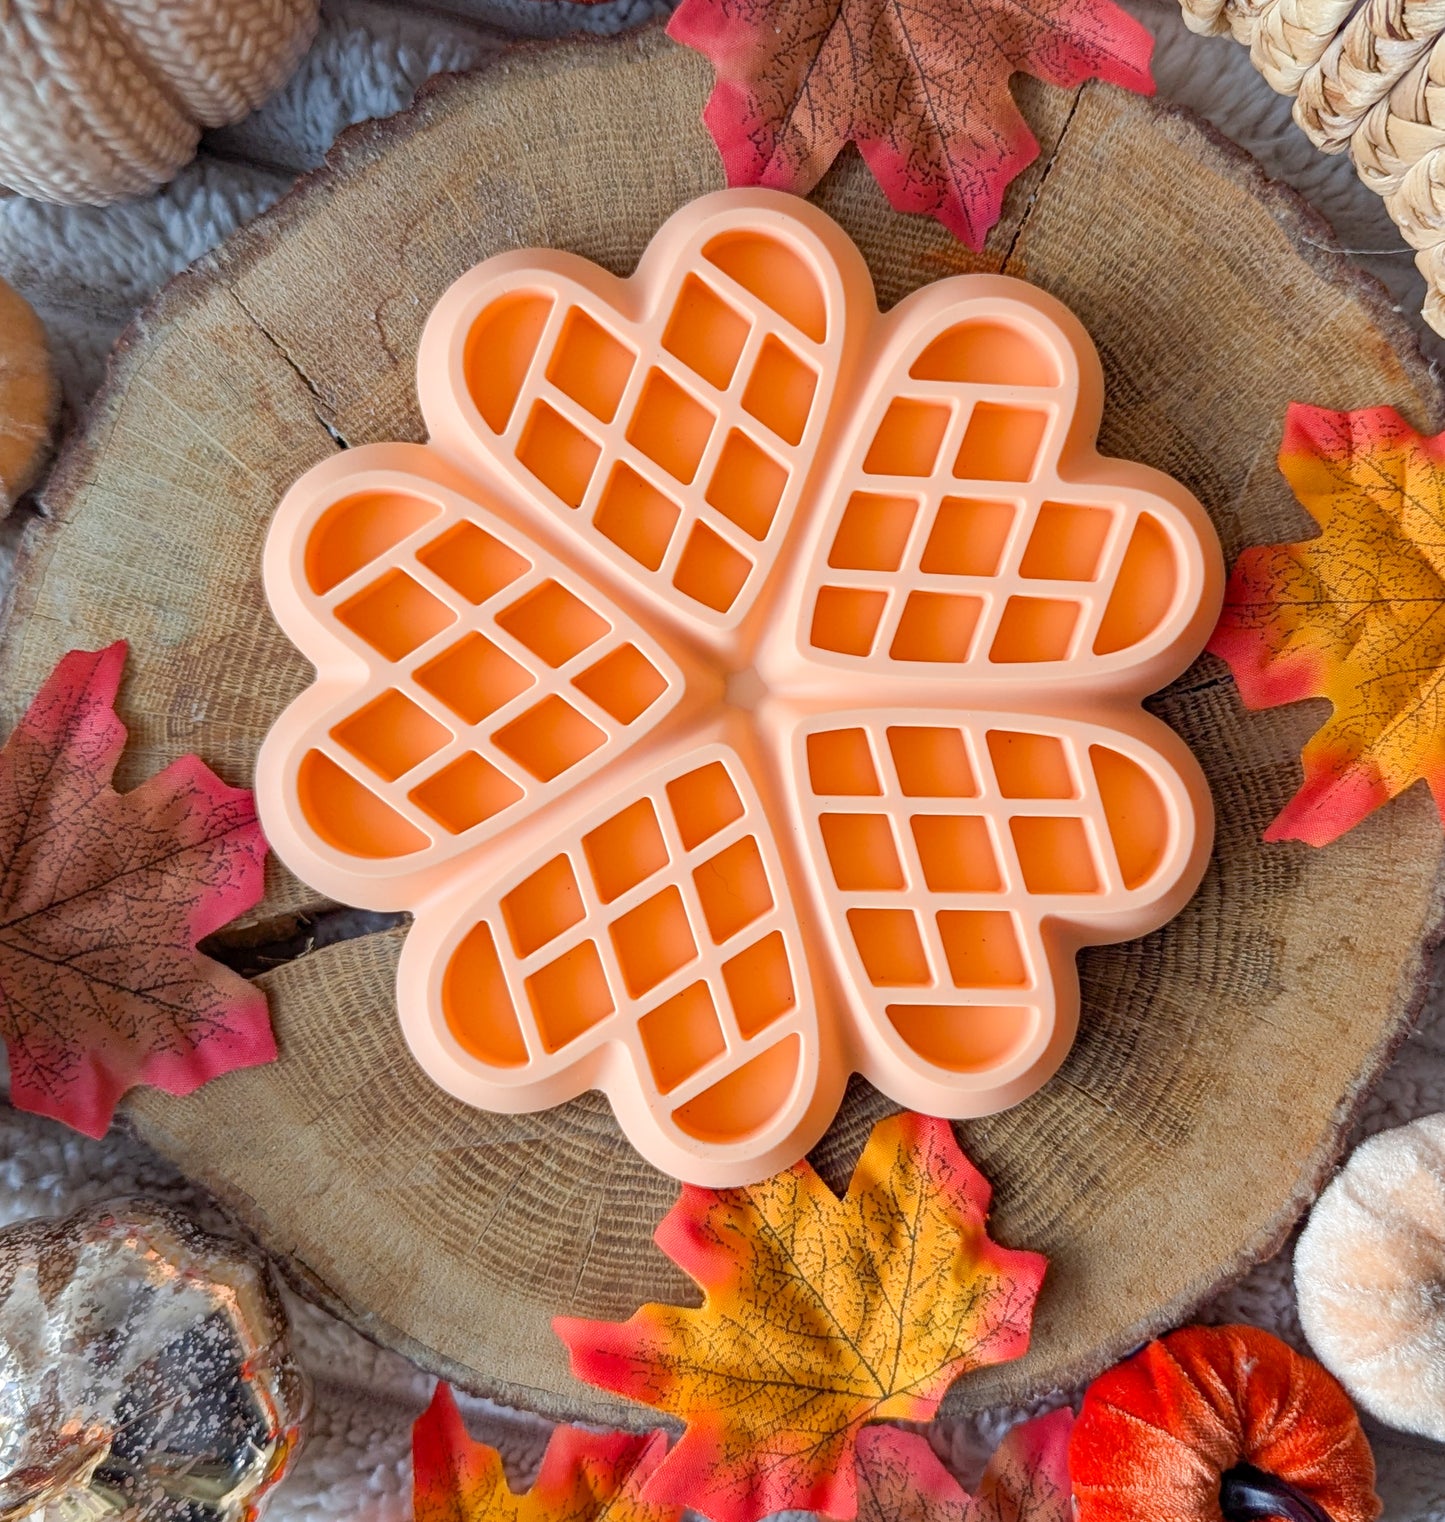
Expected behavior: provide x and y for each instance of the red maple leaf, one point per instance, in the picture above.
(103, 897)
(922, 86)
(901, 1479)
(585, 1476)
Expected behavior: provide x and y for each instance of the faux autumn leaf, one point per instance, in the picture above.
(1215, 1421)
(585, 1476)
(102, 900)
(922, 88)
(819, 1315)
(1356, 615)
(900, 1478)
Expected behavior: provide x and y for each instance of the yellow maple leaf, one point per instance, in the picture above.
(1356, 615)
(820, 1314)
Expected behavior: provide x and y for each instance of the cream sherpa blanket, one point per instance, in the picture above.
(88, 271)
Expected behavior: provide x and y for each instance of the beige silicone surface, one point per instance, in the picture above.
(742, 687)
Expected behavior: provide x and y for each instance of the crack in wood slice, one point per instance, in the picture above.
(265, 945)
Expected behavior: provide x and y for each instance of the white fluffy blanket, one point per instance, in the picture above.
(88, 271)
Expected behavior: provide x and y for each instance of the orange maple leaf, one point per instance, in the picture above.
(1356, 615)
(819, 1315)
(585, 1476)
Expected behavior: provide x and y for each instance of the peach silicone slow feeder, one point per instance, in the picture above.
(742, 687)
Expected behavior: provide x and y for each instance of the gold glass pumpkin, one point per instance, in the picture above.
(146, 1371)
(29, 394)
(101, 99)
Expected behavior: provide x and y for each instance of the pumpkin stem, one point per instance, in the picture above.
(1247, 1494)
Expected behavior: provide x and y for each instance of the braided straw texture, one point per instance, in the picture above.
(29, 396)
(101, 99)
(1368, 78)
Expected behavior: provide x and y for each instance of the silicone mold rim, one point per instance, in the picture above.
(698, 654)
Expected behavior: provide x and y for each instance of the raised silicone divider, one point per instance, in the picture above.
(742, 687)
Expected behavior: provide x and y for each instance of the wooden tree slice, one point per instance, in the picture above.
(1219, 1060)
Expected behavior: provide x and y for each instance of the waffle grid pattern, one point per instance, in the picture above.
(506, 699)
(661, 926)
(961, 547)
(723, 402)
(965, 822)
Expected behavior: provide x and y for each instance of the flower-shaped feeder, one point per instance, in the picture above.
(742, 687)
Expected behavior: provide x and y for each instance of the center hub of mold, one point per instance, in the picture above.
(745, 689)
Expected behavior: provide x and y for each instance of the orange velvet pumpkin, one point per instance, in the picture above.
(1213, 1421)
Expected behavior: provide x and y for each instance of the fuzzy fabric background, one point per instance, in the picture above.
(87, 272)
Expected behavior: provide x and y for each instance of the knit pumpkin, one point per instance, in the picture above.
(29, 395)
(1369, 1269)
(1213, 1421)
(106, 98)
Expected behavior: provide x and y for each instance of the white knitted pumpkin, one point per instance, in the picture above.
(1370, 1277)
(107, 98)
